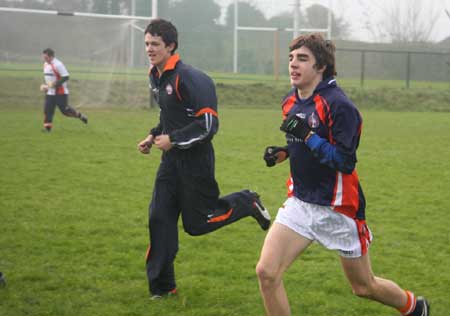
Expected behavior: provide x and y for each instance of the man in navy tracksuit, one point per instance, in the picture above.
(325, 200)
(185, 183)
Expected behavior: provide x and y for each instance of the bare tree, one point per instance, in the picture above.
(410, 22)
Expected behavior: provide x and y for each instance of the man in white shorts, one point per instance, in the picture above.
(326, 203)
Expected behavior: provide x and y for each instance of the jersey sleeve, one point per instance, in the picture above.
(62, 70)
(339, 152)
(199, 92)
(157, 130)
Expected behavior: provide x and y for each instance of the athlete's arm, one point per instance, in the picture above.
(346, 129)
(330, 155)
(197, 90)
(60, 81)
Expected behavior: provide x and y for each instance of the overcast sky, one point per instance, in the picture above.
(357, 12)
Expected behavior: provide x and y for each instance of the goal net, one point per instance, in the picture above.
(105, 57)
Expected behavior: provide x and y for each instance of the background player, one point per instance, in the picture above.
(57, 93)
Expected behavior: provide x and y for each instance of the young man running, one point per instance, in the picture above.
(56, 91)
(326, 203)
(185, 183)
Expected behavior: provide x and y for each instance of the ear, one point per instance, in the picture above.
(320, 70)
(171, 46)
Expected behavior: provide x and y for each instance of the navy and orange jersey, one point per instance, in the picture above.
(323, 169)
(187, 101)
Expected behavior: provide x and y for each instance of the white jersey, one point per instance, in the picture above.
(53, 71)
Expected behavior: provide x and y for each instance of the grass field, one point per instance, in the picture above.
(73, 217)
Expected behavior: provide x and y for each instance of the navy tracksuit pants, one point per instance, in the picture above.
(185, 184)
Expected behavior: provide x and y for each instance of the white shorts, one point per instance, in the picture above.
(333, 230)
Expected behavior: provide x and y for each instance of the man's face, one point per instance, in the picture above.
(302, 69)
(47, 58)
(157, 51)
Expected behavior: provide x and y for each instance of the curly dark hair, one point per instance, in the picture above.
(323, 50)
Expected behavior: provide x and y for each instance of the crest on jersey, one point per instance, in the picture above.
(313, 121)
(169, 89)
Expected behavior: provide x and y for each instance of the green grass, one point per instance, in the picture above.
(73, 217)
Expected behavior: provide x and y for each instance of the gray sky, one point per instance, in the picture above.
(357, 12)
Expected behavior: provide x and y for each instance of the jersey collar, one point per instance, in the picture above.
(170, 65)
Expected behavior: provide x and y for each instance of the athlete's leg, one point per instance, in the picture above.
(63, 104)
(202, 209)
(365, 284)
(163, 218)
(49, 111)
(281, 246)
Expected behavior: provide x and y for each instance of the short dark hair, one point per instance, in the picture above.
(165, 29)
(48, 51)
(323, 50)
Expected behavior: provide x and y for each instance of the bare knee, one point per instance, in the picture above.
(267, 275)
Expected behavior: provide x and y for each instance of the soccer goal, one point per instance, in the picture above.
(104, 54)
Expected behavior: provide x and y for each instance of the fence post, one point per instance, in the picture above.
(276, 55)
(408, 70)
(363, 62)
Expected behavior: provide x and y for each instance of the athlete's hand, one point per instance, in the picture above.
(296, 126)
(274, 155)
(145, 145)
(163, 142)
(51, 84)
(43, 87)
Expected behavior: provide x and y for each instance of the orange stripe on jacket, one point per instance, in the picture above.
(323, 110)
(221, 218)
(287, 105)
(177, 81)
(206, 110)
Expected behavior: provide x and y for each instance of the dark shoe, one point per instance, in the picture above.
(155, 297)
(260, 213)
(83, 118)
(422, 307)
(2, 280)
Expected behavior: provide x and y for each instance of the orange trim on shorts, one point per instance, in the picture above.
(221, 218)
(364, 235)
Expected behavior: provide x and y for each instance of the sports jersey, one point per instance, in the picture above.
(187, 101)
(53, 72)
(323, 169)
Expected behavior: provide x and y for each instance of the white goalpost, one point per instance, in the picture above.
(130, 18)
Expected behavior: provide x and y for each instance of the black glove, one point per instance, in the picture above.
(296, 126)
(270, 154)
